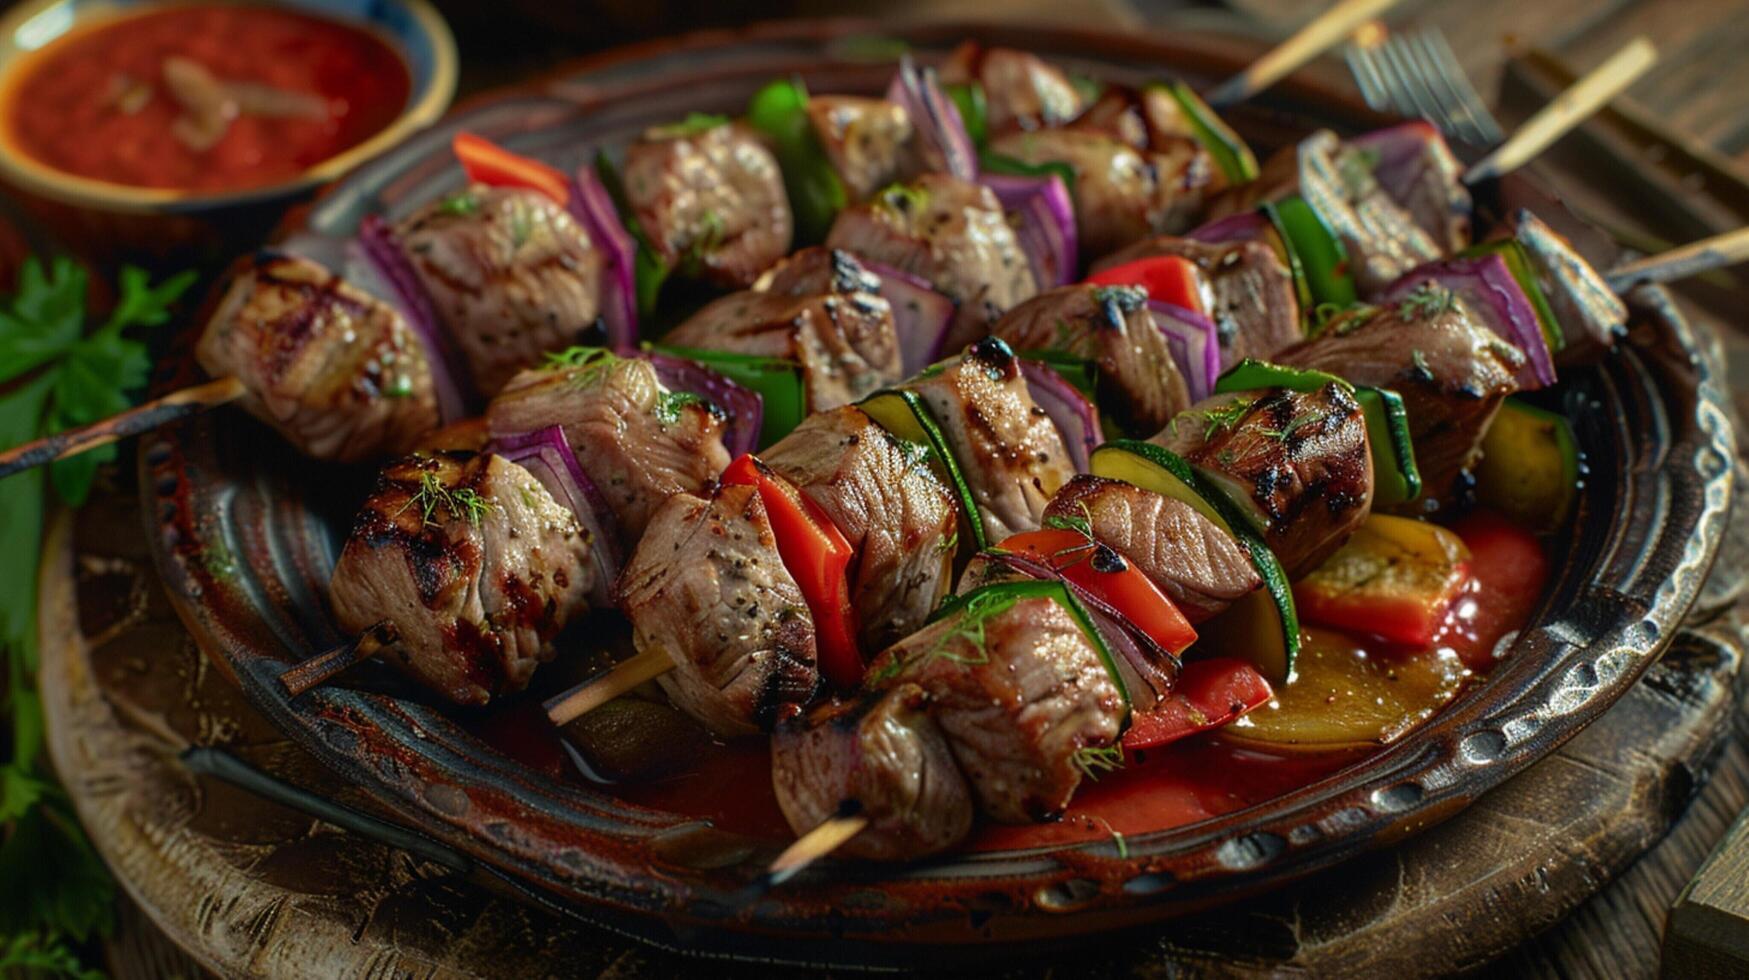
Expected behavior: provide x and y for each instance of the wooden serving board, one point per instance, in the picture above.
(247, 886)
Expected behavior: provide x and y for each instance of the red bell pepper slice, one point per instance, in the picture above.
(817, 556)
(1167, 278)
(1132, 593)
(1209, 694)
(485, 162)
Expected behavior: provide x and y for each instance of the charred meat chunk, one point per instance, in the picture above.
(898, 518)
(710, 201)
(1298, 463)
(1255, 308)
(1451, 370)
(1021, 90)
(846, 343)
(510, 273)
(476, 565)
(707, 589)
(1195, 562)
(951, 233)
(332, 368)
(1110, 327)
(637, 441)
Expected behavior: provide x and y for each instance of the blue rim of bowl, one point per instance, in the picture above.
(412, 28)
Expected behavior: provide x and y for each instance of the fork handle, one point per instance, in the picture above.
(1325, 31)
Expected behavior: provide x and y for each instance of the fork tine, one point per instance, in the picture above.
(1363, 65)
(1486, 127)
(1440, 84)
(1415, 85)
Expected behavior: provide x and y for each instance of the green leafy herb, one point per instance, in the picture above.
(670, 404)
(56, 372)
(521, 224)
(1222, 416)
(42, 954)
(433, 497)
(949, 544)
(1355, 168)
(1294, 425)
(1419, 359)
(903, 199)
(966, 627)
(1081, 523)
(1096, 761)
(461, 203)
(1426, 301)
(583, 367)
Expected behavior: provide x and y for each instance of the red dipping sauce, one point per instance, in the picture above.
(96, 103)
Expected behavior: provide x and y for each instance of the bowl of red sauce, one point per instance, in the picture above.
(158, 124)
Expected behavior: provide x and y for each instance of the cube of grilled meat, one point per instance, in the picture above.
(1148, 118)
(1451, 370)
(1382, 239)
(869, 142)
(1121, 193)
(1255, 306)
(1416, 168)
(510, 274)
(817, 269)
(332, 368)
(1021, 90)
(707, 589)
(846, 343)
(899, 519)
(882, 757)
(475, 564)
(1010, 453)
(1195, 562)
(1589, 312)
(1297, 462)
(1021, 693)
(953, 234)
(1139, 383)
(637, 441)
(711, 202)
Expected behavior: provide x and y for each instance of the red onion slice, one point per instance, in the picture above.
(1195, 344)
(449, 378)
(592, 205)
(547, 454)
(946, 146)
(1043, 213)
(1244, 226)
(1487, 287)
(921, 315)
(1076, 418)
(746, 410)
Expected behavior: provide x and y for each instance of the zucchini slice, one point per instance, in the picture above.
(1263, 627)
(1396, 478)
(777, 381)
(904, 417)
(1530, 466)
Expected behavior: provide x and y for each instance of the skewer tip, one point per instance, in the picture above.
(825, 838)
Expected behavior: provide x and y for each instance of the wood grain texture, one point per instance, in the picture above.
(1708, 934)
(248, 887)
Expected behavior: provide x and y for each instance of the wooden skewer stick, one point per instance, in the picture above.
(825, 838)
(143, 418)
(592, 694)
(324, 666)
(1327, 30)
(1683, 261)
(1567, 110)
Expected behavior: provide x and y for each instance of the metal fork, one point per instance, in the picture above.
(1416, 73)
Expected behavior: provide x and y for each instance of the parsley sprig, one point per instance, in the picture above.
(56, 372)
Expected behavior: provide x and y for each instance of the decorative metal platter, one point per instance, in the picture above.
(246, 534)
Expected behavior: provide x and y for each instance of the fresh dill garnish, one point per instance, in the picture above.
(1294, 425)
(1081, 523)
(1422, 370)
(1095, 761)
(949, 544)
(1220, 417)
(711, 228)
(432, 497)
(967, 626)
(584, 367)
(460, 203)
(670, 404)
(1355, 168)
(1426, 301)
